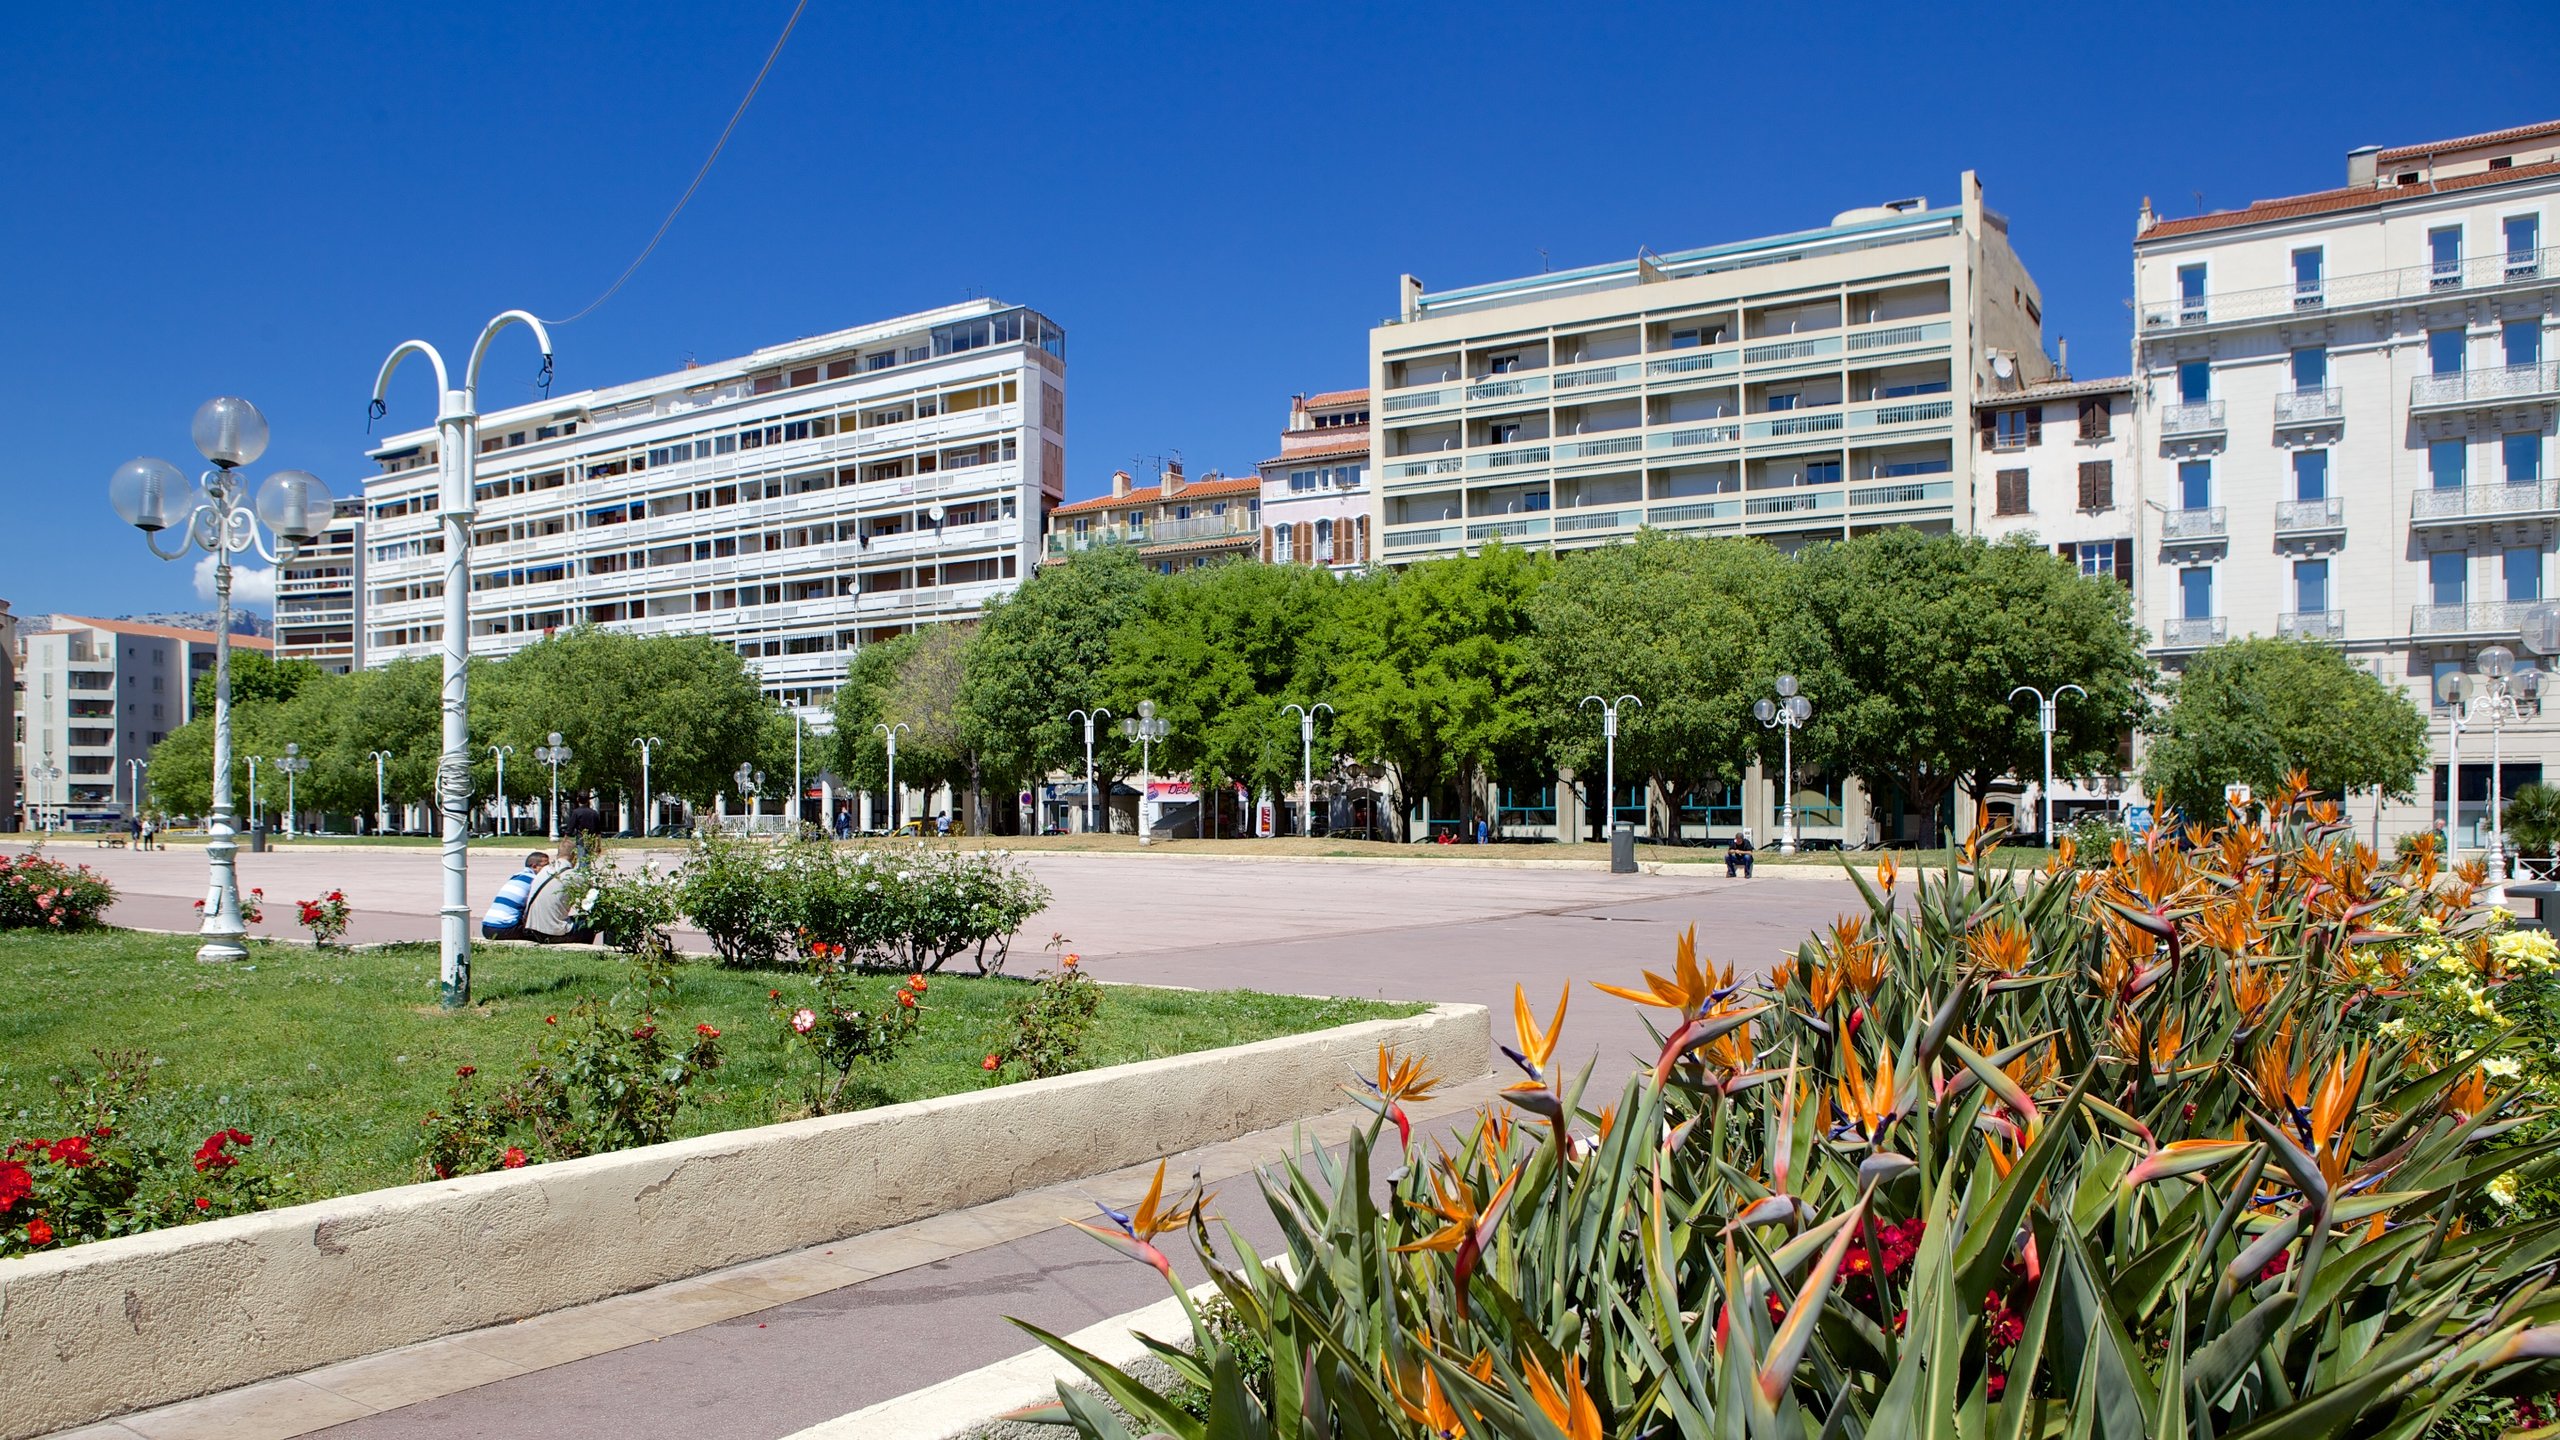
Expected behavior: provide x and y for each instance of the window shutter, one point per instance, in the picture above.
(2035, 425)
(2094, 417)
(2124, 563)
(2097, 485)
(1361, 556)
(1266, 544)
(1989, 423)
(2010, 493)
(1307, 543)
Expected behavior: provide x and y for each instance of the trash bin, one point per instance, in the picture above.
(1622, 848)
(257, 839)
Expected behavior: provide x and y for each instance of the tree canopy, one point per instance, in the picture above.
(2254, 710)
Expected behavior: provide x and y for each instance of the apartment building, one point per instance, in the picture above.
(798, 502)
(1797, 387)
(2346, 405)
(96, 695)
(317, 590)
(12, 724)
(1175, 524)
(1315, 492)
(2055, 462)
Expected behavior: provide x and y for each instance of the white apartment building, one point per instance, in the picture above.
(96, 695)
(1797, 387)
(2346, 401)
(316, 592)
(12, 720)
(1315, 492)
(798, 502)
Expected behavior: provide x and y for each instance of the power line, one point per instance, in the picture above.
(707, 162)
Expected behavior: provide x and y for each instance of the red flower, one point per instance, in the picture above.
(466, 1071)
(72, 1150)
(773, 994)
(644, 1032)
(15, 1183)
(1995, 1384)
(989, 1063)
(916, 983)
(513, 1160)
(203, 1204)
(102, 1132)
(907, 998)
(2277, 1266)
(215, 1153)
(550, 1019)
(706, 1032)
(38, 1232)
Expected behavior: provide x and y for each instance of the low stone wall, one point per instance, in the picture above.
(124, 1324)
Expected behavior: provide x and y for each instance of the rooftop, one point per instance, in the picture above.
(2056, 390)
(1331, 398)
(160, 632)
(1154, 494)
(2376, 179)
(2514, 134)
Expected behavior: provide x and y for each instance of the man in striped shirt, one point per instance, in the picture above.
(505, 920)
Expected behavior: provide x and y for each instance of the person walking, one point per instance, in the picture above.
(150, 832)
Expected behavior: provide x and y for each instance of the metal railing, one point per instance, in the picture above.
(1912, 493)
(2193, 632)
(1507, 529)
(2312, 625)
(1203, 527)
(1789, 425)
(2195, 417)
(2311, 407)
(1694, 436)
(2338, 292)
(1599, 375)
(1791, 350)
(1407, 469)
(1792, 502)
(1692, 513)
(2485, 387)
(1909, 412)
(1507, 388)
(1694, 362)
(2476, 617)
(1599, 520)
(1410, 539)
(1893, 336)
(1419, 400)
(2298, 517)
(1593, 449)
(1508, 459)
(2208, 522)
(2483, 502)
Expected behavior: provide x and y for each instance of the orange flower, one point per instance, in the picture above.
(1861, 956)
(1689, 993)
(1867, 1105)
(1886, 874)
(1999, 950)
(1571, 1409)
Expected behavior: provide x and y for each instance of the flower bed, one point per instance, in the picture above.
(37, 893)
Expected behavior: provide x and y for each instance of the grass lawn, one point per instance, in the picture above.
(331, 1057)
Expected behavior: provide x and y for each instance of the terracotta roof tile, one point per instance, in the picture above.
(165, 632)
(1145, 495)
(2468, 142)
(1337, 397)
(1355, 445)
(2353, 197)
(2054, 390)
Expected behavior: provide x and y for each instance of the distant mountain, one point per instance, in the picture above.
(243, 622)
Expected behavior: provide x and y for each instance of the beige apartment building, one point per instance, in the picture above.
(1175, 524)
(95, 696)
(1796, 387)
(317, 593)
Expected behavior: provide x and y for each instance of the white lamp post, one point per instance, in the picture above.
(2045, 722)
(381, 802)
(1146, 729)
(648, 817)
(750, 789)
(47, 773)
(218, 518)
(292, 764)
(253, 798)
(457, 462)
(1787, 714)
(133, 770)
(1307, 764)
(1609, 736)
(505, 822)
(554, 754)
(2495, 695)
(796, 786)
(891, 733)
(1088, 717)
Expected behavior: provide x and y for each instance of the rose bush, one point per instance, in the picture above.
(326, 918)
(902, 908)
(40, 893)
(606, 1079)
(116, 1167)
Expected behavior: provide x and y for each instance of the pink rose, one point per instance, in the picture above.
(805, 1021)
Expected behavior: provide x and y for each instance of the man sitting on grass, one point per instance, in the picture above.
(555, 914)
(1737, 856)
(505, 920)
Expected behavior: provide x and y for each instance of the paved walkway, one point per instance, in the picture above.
(767, 1349)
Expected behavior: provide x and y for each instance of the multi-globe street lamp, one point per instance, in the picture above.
(291, 765)
(750, 786)
(457, 463)
(1088, 717)
(2045, 718)
(1609, 736)
(48, 773)
(505, 821)
(381, 802)
(648, 817)
(219, 518)
(889, 734)
(1146, 729)
(2493, 696)
(554, 754)
(1787, 713)
(1307, 763)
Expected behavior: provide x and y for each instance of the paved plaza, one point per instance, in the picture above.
(801, 1339)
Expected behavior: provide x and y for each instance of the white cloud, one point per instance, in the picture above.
(255, 589)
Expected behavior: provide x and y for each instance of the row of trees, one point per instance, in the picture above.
(1452, 673)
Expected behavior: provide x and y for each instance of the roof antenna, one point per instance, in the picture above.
(1543, 266)
(2199, 200)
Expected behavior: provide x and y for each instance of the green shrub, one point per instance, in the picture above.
(1050, 1026)
(847, 1026)
(38, 893)
(744, 895)
(634, 911)
(602, 1078)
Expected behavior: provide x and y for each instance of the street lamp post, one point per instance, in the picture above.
(1307, 764)
(1088, 717)
(457, 462)
(292, 764)
(2496, 694)
(2045, 705)
(381, 800)
(750, 788)
(48, 773)
(648, 817)
(890, 734)
(219, 519)
(555, 755)
(1609, 736)
(797, 795)
(505, 822)
(1146, 729)
(253, 798)
(1786, 714)
(133, 770)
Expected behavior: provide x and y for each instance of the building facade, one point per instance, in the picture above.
(12, 722)
(2346, 403)
(1796, 387)
(1315, 492)
(798, 502)
(1175, 524)
(96, 696)
(317, 593)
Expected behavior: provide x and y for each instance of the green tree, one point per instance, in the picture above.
(255, 675)
(2255, 710)
(602, 690)
(1042, 652)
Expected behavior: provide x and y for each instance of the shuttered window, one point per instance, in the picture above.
(2097, 485)
(2096, 419)
(2010, 494)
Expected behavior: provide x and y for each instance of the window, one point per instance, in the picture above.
(2195, 484)
(2444, 258)
(2310, 586)
(2097, 485)
(2524, 246)
(1821, 472)
(1502, 364)
(2010, 493)
(1502, 433)
(1324, 542)
(2444, 464)
(2444, 352)
(2311, 368)
(2097, 419)
(2097, 558)
(2447, 572)
(2306, 277)
(2310, 474)
(1280, 535)
(2191, 292)
(2524, 573)
(2523, 342)
(2195, 592)
(2524, 457)
(2195, 381)
(2016, 429)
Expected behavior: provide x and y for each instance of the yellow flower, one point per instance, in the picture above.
(2503, 1189)
(2502, 1068)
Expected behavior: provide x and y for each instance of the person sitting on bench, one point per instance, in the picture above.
(505, 920)
(1737, 856)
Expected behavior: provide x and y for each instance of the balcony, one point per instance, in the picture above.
(1896, 337)
(2312, 625)
(2478, 389)
(1791, 351)
(2210, 522)
(2473, 504)
(1791, 425)
(2193, 632)
(1507, 387)
(2192, 420)
(1419, 539)
(2495, 271)
(2478, 619)
(1599, 377)
(1395, 470)
(2301, 408)
(1417, 400)
(1598, 520)
(1202, 527)
(1901, 412)
(1507, 529)
(1510, 459)
(1910, 492)
(2310, 517)
(1579, 450)
(1694, 437)
(1693, 362)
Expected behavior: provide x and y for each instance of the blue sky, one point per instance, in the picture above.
(1214, 201)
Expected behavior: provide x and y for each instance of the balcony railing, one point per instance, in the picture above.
(2471, 388)
(2311, 407)
(1892, 337)
(1418, 400)
(2193, 632)
(2209, 522)
(1790, 426)
(1693, 437)
(1790, 351)
(1905, 412)
(1915, 492)
(1507, 529)
(1415, 539)
(1508, 387)
(1510, 459)
(1594, 449)
(1599, 376)
(1792, 502)
(2311, 517)
(1693, 362)
(1691, 514)
(2477, 617)
(2457, 503)
(2312, 625)
(1408, 469)
(2196, 417)
(2338, 292)
(1598, 520)
(1203, 527)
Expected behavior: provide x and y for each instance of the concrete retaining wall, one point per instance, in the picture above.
(120, 1325)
